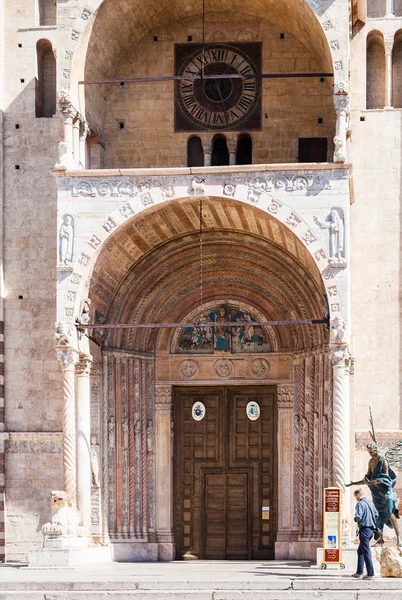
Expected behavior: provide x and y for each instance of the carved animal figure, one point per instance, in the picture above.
(65, 519)
(197, 186)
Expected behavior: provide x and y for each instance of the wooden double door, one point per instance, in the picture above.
(224, 474)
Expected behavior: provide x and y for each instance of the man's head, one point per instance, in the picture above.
(358, 494)
(372, 449)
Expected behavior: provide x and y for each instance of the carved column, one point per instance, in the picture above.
(83, 404)
(341, 421)
(232, 147)
(68, 357)
(388, 46)
(285, 460)
(84, 130)
(68, 114)
(207, 154)
(390, 9)
(76, 142)
(164, 472)
(341, 102)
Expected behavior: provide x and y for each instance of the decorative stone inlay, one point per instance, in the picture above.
(223, 367)
(189, 369)
(260, 367)
(34, 446)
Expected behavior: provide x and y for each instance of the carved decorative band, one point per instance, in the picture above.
(385, 439)
(33, 447)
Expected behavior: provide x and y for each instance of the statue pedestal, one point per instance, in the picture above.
(68, 551)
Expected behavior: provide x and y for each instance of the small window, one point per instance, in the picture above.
(375, 71)
(376, 8)
(195, 153)
(244, 154)
(313, 150)
(220, 152)
(47, 12)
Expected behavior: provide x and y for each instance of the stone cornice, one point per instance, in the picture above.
(163, 172)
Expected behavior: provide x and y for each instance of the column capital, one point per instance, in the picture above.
(68, 357)
(84, 365)
(163, 396)
(340, 357)
(285, 395)
(342, 104)
(67, 111)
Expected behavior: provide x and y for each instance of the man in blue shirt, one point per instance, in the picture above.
(366, 516)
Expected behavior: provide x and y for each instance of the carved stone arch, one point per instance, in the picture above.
(332, 15)
(77, 288)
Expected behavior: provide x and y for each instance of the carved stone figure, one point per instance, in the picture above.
(65, 162)
(297, 432)
(65, 519)
(335, 224)
(197, 187)
(150, 437)
(66, 241)
(305, 433)
(124, 428)
(95, 452)
(85, 317)
(339, 153)
(338, 331)
(63, 334)
(111, 432)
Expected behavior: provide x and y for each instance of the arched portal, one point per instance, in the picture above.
(254, 269)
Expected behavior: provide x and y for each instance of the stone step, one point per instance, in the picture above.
(364, 593)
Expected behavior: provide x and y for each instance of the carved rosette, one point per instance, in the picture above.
(163, 397)
(285, 396)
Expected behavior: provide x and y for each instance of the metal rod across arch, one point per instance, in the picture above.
(197, 324)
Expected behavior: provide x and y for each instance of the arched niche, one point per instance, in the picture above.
(220, 152)
(45, 92)
(244, 150)
(375, 71)
(397, 71)
(195, 153)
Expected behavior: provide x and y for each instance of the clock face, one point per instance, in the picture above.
(218, 104)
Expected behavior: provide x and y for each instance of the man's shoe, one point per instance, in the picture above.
(358, 575)
(369, 577)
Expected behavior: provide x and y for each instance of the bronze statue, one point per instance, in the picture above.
(381, 479)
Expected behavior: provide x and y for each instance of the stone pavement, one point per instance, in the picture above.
(195, 580)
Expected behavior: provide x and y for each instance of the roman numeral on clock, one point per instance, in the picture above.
(244, 102)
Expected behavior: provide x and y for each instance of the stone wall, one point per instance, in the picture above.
(291, 108)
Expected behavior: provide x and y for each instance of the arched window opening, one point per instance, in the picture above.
(195, 153)
(45, 104)
(375, 71)
(220, 152)
(376, 8)
(244, 153)
(47, 12)
(397, 71)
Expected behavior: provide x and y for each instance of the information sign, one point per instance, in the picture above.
(332, 544)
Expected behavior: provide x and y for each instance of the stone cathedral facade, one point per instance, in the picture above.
(231, 171)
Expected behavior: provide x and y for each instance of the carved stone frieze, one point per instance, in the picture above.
(285, 396)
(33, 446)
(189, 368)
(163, 396)
(303, 181)
(223, 368)
(385, 439)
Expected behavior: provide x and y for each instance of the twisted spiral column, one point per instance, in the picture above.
(68, 358)
(341, 419)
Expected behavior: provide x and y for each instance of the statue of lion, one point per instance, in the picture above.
(65, 519)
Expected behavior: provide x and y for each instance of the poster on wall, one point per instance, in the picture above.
(332, 543)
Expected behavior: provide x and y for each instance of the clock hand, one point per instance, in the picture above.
(218, 87)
